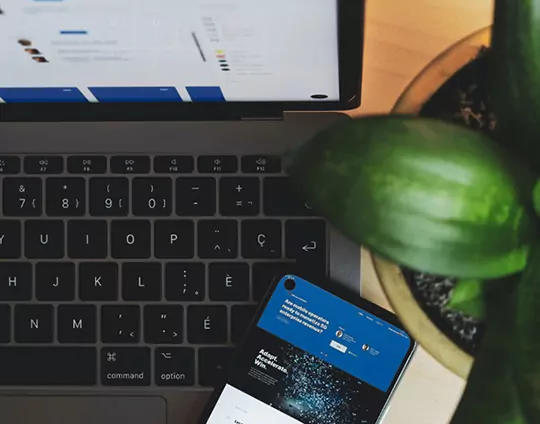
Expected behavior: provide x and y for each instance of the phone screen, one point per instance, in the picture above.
(312, 357)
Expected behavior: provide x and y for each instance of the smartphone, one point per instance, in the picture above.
(315, 353)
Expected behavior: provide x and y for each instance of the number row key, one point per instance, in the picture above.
(108, 196)
(238, 196)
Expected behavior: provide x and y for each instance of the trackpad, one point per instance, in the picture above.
(82, 410)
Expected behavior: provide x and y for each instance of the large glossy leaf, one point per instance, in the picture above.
(491, 396)
(515, 77)
(527, 350)
(423, 193)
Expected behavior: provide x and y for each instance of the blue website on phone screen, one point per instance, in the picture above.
(312, 357)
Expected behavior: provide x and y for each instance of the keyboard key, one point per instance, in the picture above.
(173, 164)
(174, 239)
(184, 281)
(47, 366)
(76, 323)
(213, 364)
(130, 239)
(5, 324)
(15, 281)
(87, 239)
(175, 366)
(257, 164)
(87, 164)
(207, 324)
(22, 197)
(130, 164)
(163, 324)
(217, 164)
(261, 239)
(44, 164)
(218, 239)
(55, 281)
(10, 239)
(152, 196)
(44, 239)
(263, 273)
(120, 324)
(229, 281)
(10, 165)
(141, 281)
(125, 366)
(305, 241)
(66, 197)
(109, 196)
(279, 199)
(241, 317)
(98, 281)
(34, 324)
(239, 196)
(195, 196)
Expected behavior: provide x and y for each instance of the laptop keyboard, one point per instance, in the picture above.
(139, 270)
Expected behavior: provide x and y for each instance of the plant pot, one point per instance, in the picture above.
(425, 323)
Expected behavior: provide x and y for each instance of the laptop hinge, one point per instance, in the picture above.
(134, 112)
(265, 116)
(262, 118)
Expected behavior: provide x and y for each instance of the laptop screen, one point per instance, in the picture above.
(168, 51)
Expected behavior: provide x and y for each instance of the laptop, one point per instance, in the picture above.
(145, 207)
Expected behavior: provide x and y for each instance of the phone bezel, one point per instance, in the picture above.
(344, 294)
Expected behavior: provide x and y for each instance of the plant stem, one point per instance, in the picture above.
(527, 352)
(490, 396)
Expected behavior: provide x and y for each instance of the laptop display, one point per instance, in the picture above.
(169, 51)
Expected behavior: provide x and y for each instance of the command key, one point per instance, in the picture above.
(125, 366)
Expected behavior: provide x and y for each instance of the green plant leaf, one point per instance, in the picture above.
(491, 396)
(515, 77)
(468, 297)
(423, 193)
(527, 351)
(536, 198)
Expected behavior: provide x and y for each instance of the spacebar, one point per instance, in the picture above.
(47, 366)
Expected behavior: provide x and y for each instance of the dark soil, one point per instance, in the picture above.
(463, 100)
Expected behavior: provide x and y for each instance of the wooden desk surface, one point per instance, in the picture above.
(402, 37)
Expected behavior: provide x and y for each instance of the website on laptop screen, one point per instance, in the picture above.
(312, 358)
(168, 50)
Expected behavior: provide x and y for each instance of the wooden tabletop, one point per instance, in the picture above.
(402, 37)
